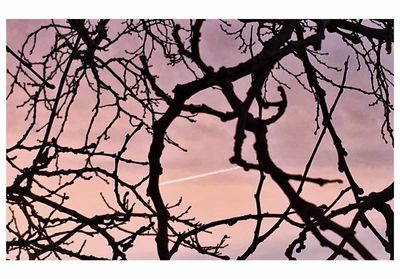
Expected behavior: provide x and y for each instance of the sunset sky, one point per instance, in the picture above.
(210, 145)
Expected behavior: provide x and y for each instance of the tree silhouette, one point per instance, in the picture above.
(119, 67)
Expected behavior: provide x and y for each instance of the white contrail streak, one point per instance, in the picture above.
(198, 176)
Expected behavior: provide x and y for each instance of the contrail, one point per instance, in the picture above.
(198, 176)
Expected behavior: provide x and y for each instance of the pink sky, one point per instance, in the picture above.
(210, 145)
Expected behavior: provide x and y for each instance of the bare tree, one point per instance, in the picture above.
(116, 63)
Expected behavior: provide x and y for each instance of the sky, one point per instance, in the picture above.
(210, 143)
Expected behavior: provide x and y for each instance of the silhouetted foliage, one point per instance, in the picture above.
(88, 57)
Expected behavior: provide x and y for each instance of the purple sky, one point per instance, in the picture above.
(210, 142)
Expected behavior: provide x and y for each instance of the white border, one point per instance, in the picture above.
(193, 9)
(199, 9)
